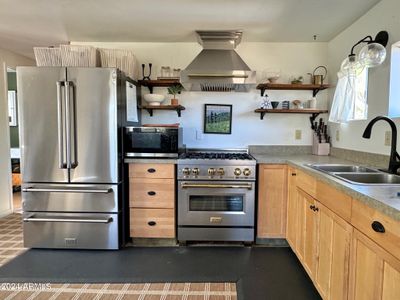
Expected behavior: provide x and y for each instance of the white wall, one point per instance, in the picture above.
(383, 16)
(247, 128)
(11, 60)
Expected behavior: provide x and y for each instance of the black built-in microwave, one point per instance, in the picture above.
(153, 142)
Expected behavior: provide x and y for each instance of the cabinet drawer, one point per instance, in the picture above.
(152, 170)
(307, 183)
(362, 217)
(152, 223)
(336, 201)
(151, 193)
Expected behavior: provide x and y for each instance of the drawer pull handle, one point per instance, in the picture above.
(294, 174)
(312, 207)
(152, 223)
(378, 227)
(151, 193)
(151, 170)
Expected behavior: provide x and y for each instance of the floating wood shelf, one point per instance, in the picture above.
(284, 86)
(150, 108)
(314, 112)
(159, 83)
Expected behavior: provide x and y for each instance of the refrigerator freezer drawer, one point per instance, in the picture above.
(70, 197)
(71, 230)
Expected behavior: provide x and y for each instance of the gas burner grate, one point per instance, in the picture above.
(216, 155)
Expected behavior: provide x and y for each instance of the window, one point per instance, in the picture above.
(394, 96)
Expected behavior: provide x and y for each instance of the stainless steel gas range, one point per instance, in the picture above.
(216, 197)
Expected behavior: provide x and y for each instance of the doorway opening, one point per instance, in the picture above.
(15, 152)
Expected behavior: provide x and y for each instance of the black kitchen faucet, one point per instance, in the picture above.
(394, 162)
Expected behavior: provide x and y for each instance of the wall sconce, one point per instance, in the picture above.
(371, 55)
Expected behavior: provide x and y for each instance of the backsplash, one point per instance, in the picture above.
(365, 158)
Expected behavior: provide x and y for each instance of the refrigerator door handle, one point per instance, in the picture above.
(68, 124)
(71, 220)
(72, 124)
(95, 191)
(60, 126)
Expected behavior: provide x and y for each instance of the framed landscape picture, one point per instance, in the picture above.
(218, 118)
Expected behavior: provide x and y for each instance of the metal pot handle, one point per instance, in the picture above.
(323, 67)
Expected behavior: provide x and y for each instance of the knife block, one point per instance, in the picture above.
(320, 148)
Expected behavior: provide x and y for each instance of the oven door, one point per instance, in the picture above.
(210, 203)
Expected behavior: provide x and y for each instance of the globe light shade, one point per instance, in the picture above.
(351, 66)
(372, 55)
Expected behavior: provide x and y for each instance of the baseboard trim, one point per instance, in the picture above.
(5, 213)
(272, 242)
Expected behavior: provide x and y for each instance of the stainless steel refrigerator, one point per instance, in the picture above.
(72, 169)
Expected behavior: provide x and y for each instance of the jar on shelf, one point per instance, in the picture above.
(165, 71)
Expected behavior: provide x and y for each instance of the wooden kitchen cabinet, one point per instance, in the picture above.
(291, 222)
(374, 272)
(272, 201)
(152, 200)
(307, 226)
(333, 254)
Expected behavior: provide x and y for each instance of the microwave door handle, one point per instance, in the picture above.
(60, 126)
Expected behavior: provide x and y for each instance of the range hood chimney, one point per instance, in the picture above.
(218, 67)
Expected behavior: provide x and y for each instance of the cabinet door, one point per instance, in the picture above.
(333, 244)
(272, 201)
(310, 234)
(291, 224)
(374, 273)
(306, 232)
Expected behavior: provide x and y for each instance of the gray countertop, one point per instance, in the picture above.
(382, 198)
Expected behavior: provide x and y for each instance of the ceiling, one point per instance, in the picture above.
(27, 23)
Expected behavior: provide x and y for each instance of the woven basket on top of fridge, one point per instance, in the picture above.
(47, 56)
(78, 56)
(124, 60)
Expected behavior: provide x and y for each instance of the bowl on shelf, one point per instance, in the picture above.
(273, 79)
(154, 99)
(274, 104)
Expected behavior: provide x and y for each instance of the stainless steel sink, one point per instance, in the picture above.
(335, 168)
(357, 174)
(369, 178)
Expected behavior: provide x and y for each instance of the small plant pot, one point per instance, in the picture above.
(174, 102)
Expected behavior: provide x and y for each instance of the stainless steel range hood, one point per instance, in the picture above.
(218, 67)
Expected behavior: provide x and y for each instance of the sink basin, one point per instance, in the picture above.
(330, 168)
(369, 178)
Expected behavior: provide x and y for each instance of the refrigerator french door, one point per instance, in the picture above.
(70, 156)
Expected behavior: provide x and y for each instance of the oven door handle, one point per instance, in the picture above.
(185, 185)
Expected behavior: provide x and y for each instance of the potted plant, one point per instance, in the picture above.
(174, 90)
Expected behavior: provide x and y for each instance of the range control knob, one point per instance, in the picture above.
(211, 171)
(196, 171)
(246, 172)
(237, 172)
(221, 171)
(186, 171)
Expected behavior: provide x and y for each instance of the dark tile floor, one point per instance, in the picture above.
(260, 272)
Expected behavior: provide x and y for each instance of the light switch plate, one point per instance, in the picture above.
(388, 138)
(337, 135)
(297, 134)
